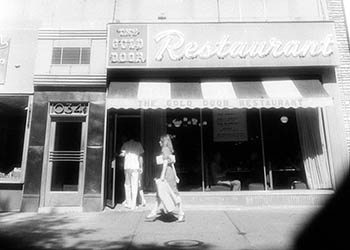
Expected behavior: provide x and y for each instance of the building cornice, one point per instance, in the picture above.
(52, 34)
(80, 81)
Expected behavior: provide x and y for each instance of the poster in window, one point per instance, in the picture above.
(4, 52)
(230, 125)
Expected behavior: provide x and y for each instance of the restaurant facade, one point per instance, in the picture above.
(264, 89)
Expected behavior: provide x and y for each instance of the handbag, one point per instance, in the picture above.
(166, 195)
(159, 159)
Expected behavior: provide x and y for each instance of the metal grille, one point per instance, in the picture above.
(70, 55)
(56, 56)
(66, 156)
(85, 56)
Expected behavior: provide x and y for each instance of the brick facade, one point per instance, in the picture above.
(337, 14)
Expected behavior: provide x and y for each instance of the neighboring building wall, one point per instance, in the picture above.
(20, 63)
(336, 13)
(18, 43)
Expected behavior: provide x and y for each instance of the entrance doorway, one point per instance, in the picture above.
(121, 126)
(65, 172)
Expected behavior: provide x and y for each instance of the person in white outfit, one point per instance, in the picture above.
(132, 152)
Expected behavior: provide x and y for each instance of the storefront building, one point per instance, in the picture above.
(262, 88)
(16, 98)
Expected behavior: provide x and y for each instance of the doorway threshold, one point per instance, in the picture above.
(60, 210)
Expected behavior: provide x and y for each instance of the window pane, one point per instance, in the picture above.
(282, 148)
(65, 176)
(56, 55)
(252, 10)
(12, 133)
(278, 9)
(229, 10)
(232, 149)
(85, 56)
(139, 10)
(204, 10)
(68, 136)
(150, 10)
(308, 10)
(184, 125)
(71, 56)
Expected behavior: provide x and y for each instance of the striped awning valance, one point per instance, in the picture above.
(218, 94)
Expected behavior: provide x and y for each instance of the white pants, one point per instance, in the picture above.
(131, 186)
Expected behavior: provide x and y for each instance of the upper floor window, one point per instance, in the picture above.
(272, 10)
(70, 55)
(221, 10)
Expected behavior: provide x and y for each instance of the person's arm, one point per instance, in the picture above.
(122, 151)
(165, 164)
(141, 163)
(174, 169)
(114, 163)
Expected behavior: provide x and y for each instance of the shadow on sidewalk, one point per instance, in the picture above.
(36, 231)
(327, 230)
(50, 231)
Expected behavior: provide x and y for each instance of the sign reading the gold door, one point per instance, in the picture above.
(127, 45)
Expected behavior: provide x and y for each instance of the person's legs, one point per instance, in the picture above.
(142, 196)
(127, 187)
(181, 217)
(236, 185)
(134, 187)
(154, 211)
(225, 183)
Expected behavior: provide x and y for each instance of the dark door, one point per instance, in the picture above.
(121, 125)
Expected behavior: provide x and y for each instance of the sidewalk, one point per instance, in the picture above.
(239, 228)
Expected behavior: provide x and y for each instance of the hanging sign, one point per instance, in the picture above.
(4, 53)
(229, 125)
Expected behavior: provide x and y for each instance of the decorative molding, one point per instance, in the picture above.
(70, 80)
(72, 34)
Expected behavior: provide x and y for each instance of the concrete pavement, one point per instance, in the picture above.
(238, 228)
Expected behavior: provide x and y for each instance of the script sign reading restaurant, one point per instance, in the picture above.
(224, 45)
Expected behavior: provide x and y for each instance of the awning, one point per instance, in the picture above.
(218, 94)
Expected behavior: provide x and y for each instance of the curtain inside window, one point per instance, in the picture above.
(313, 150)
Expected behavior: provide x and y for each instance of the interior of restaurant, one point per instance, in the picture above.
(260, 148)
(241, 155)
